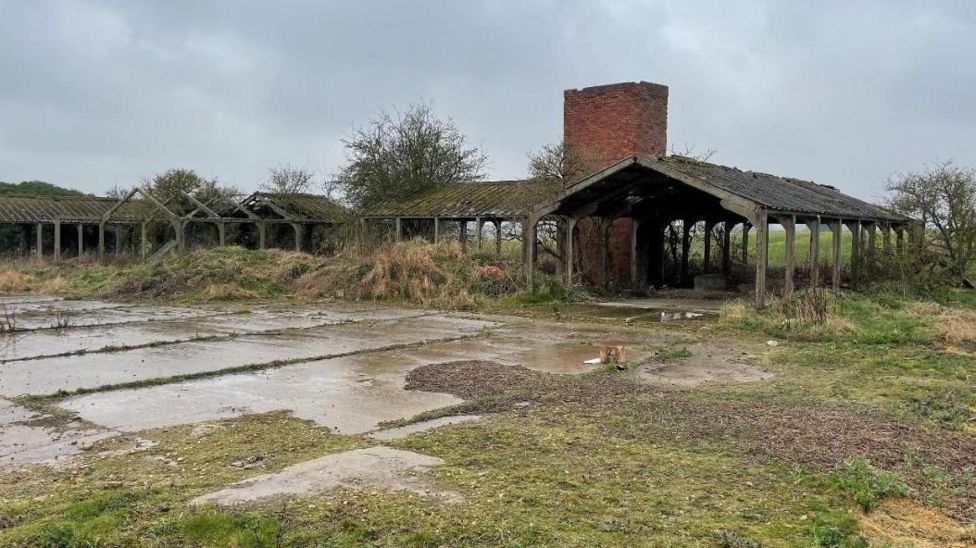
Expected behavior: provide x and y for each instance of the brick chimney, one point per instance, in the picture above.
(611, 122)
(606, 124)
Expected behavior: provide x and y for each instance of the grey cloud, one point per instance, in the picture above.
(101, 93)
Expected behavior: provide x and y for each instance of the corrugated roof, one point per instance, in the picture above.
(68, 209)
(780, 193)
(304, 207)
(505, 199)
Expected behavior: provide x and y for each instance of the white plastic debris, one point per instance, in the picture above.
(592, 361)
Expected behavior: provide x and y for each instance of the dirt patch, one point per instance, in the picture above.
(900, 522)
(376, 466)
(471, 379)
(707, 364)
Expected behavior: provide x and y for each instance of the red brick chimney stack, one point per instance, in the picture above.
(611, 122)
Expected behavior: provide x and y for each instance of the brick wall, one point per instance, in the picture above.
(609, 123)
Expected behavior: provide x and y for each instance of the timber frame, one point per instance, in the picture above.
(652, 192)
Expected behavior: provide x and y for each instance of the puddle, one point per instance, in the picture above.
(425, 426)
(380, 466)
(49, 375)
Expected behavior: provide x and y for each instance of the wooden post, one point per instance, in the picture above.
(568, 249)
(872, 264)
(814, 226)
(481, 228)
(398, 228)
(762, 254)
(726, 249)
(261, 235)
(101, 241)
(463, 235)
(707, 259)
(636, 279)
(437, 229)
(836, 228)
(142, 240)
(855, 228)
(528, 245)
(298, 236)
(57, 240)
(604, 227)
(81, 240)
(745, 242)
(498, 237)
(118, 240)
(900, 239)
(886, 240)
(221, 234)
(685, 249)
(789, 224)
(39, 236)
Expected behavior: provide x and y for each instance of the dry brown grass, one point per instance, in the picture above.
(957, 326)
(924, 308)
(12, 281)
(902, 522)
(226, 292)
(428, 274)
(54, 286)
(732, 312)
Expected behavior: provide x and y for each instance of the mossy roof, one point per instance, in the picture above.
(69, 209)
(488, 199)
(299, 207)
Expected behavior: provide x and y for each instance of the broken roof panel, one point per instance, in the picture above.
(69, 209)
(297, 207)
(488, 199)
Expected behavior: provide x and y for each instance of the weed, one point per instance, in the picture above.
(867, 485)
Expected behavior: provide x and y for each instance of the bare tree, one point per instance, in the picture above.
(396, 155)
(560, 163)
(688, 151)
(287, 179)
(943, 197)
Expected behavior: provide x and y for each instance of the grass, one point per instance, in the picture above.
(617, 467)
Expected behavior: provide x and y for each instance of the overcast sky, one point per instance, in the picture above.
(95, 94)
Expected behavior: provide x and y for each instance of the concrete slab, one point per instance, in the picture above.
(22, 443)
(380, 466)
(50, 375)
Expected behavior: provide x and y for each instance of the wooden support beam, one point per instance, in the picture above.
(814, 226)
(685, 250)
(762, 254)
(480, 224)
(398, 227)
(463, 235)
(221, 234)
(855, 228)
(568, 249)
(118, 240)
(57, 241)
(142, 239)
(81, 240)
(101, 241)
(179, 226)
(872, 262)
(707, 259)
(437, 229)
(262, 235)
(886, 240)
(498, 237)
(836, 228)
(298, 236)
(39, 236)
(745, 242)
(636, 276)
(727, 248)
(528, 244)
(900, 239)
(789, 225)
